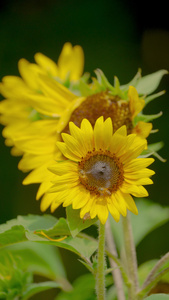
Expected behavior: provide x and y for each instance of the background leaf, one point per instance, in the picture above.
(35, 288)
(158, 297)
(40, 259)
(83, 289)
(150, 216)
(144, 269)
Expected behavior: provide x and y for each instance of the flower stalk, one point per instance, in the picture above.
(115, 268)
(131, 258)
(153, 277)
(100, 276)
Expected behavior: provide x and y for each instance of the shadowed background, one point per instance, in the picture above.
(117, 36)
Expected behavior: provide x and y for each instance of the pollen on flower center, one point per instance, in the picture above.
(101, 172)
(106, 105)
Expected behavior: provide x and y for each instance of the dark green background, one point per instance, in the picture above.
(117, 36)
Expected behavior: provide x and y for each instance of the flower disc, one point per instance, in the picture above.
(101, 173)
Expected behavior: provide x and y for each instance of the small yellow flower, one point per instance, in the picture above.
(101, 172)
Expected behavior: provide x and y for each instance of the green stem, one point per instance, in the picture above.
(119, 265)
(141, 295)
(116, 271)
(100, 276)
(153, 277)
(131, 258)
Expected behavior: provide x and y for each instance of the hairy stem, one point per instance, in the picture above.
(153, 277)
(130, 257)
(141, 295)
(100, 276)
(116, 270)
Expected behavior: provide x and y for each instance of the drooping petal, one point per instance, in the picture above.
(142, 129)
(136, 104)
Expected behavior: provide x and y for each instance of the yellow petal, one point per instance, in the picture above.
(81, 198)
(35, 145)
(46, 64)
(27, 74)
(66, 152)
(43, 188)
(130, 203)
(38, 175)
(80, 137)
(137, 191)
(107, 133)
(102, 212)
(46, 201)
(98, 133)
(141, 181)
(138, 163)
(136, 104)
(54, 90)
(114, 212)
(73, 145)
(71, 62)
(29, 161)
(119, 203)
(145, 172)
(142, 129)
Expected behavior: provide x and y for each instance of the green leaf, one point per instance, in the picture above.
(31, 228)
(40, 259)
(83, 289)
(149, 83)
(12, 236)
(154, 215)
(3, 295)
(76, 224)
(60, 228)
(80, 246)
(30, 222)
(144, 269)
(35, 288)
(157, 297)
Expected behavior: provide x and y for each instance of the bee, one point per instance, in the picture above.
(86, 217)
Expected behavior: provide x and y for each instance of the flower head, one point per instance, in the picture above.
(101, 172)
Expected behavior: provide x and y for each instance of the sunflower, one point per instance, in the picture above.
(40, 105)
(19, 110)
(101, 172)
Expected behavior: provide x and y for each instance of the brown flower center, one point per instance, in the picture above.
(106, 105)
(101, 172)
